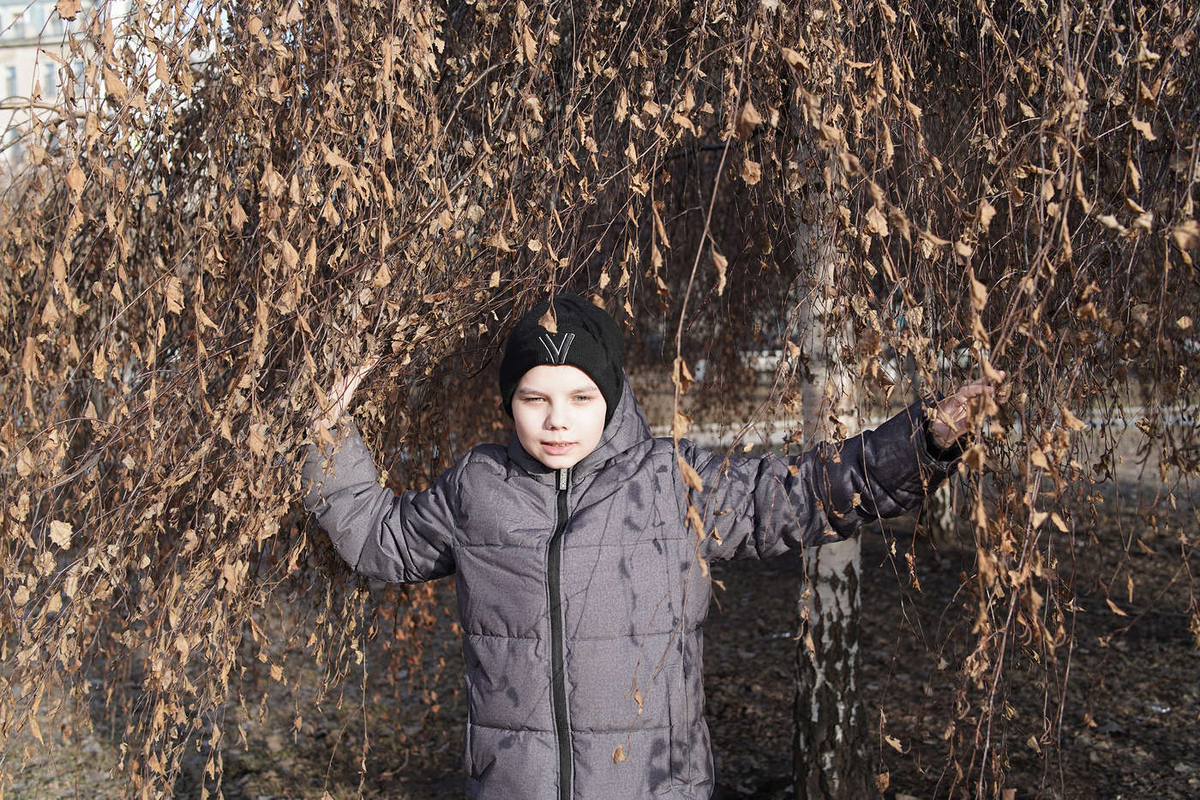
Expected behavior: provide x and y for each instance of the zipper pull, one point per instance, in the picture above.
(563, 474)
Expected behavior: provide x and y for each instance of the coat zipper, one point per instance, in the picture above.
(558, 665)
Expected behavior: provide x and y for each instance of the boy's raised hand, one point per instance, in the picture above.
(951, 419)
(340, 395)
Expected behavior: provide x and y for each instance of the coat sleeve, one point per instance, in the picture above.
(403, 538)
(766, 505)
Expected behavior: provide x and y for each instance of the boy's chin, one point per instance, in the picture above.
(565, 461)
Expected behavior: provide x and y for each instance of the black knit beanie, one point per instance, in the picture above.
(587, 338)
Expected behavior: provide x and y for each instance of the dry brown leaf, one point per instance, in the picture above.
(680, 425)
(114, 86)
(499, 242)
(1187, 234)
(987, 212)
(293, 14)
(681, 375)
(1144, 129)
(257, 439)
(383, 276)
(934, 240)
(877, 222)
(549, 320)
(751, 172)
(50, 315)
(722, 265)
(60, 533)
(174, 294)
(75, 178)
(979, 292)
(690, 477)
(67, 9)
(203, 319)
(529, 45)
(291, 258)
(1071, 421)
(748, 119)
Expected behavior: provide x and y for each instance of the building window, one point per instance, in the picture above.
(10, 81)
(49, 80)
(12, 147)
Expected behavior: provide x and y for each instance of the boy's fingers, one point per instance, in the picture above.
(354, 378)
(981, 385)
(342, 391)
(970, 390)
(952, 412)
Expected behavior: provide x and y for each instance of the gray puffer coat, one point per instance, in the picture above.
(581, 593)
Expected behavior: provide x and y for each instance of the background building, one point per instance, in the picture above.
(28, 31)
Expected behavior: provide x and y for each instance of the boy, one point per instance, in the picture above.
(580, 593)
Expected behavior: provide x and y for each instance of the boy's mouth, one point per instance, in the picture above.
(557, 448)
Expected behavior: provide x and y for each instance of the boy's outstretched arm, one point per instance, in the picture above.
(765, 505)
(399, 538)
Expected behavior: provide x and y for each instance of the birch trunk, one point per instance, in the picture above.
(831, 743)
(938, 517)
(831, 752)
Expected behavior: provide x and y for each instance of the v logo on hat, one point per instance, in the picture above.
(557, 352)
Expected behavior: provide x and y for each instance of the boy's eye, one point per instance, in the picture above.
(583, 398)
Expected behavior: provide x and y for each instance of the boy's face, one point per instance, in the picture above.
(559, 414)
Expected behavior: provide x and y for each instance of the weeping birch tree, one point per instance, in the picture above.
(235, 202)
